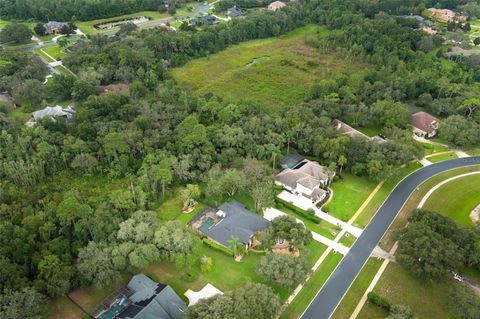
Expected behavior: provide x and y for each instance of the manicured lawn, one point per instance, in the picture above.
(287, 68)
(442, 157)
(457, 199)
(370, 130)
(426, 299)
(348, 195)
(358, 288)
(311, 288)
(348, 240)
(387, 187)
(430, 149)
(55, 52)
(44, 56)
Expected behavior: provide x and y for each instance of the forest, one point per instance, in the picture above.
(73, 193)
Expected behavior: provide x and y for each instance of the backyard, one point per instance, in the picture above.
(273, 72)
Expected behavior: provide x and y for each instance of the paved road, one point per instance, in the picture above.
(328, 298)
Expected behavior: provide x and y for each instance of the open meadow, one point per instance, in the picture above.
(273, 72)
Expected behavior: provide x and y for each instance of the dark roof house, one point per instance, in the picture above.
(235, 12)
(53, 27)
(142, 298)
(205, 20)
(229, 220)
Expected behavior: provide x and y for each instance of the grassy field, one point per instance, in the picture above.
(358, 288)
(427, 299)
(370, 130)
(347, 240)
(309, 291)
(387, 187)
(442, 157)
(430, 149)
(456, 199)
(285, 70)
(349, 194)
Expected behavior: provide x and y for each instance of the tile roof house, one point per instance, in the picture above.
(142, 298)
(346, 129)
(277, 5)
(229, 220)
(53, 27)
(305, 179)
(112, 88)
(424, 124)
(445, 15)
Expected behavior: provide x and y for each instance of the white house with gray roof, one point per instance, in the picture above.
(52, 112)
(307, 179)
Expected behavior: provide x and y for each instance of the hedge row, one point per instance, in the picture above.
(307, 215)
(216, 246)
(378, 300)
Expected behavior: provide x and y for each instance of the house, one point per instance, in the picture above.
(424, 124)
(346, 129)
(229, 220)
(52, 112)
(306, 179)
(112, 88)
(205, 20)
(277, 5)
(53, 27)
(445, 15)
(235, 12)
(8, 99)
(142, 298)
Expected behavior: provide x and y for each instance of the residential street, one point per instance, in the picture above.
(328, 298)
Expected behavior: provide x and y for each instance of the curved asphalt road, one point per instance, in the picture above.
(328, 298)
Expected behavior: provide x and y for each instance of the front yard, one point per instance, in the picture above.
(349, 194)
(442, 157)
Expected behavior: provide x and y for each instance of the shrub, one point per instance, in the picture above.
(378, 300)
(216, 246)
(310, 215)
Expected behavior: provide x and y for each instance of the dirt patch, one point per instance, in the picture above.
(475, 214)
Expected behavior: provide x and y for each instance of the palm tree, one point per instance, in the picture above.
(342, 160)
(233, 245)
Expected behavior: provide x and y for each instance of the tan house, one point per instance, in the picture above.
(277, 5)
(307, 179)
(424, 124)
(112, 88)
(445, 15)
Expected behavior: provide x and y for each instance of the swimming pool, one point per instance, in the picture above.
(206, 225)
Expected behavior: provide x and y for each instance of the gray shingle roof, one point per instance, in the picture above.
(152, 301)
(307, 173)
(54, 111)
(238, 222)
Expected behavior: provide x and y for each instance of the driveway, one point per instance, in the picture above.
(330, 295)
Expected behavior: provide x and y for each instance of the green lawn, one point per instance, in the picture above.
(55, 52)
(287, 68)
(456, 199)
(474, 152)
(441, 157)
(311, 288)
(427, 299)
(387, 187)
(348, 240)
(349, 194)
(430, 149)
(40, 53)
(358, 288)
(370, 130)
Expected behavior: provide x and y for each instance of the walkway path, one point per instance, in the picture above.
(272, 213)
(306, 205)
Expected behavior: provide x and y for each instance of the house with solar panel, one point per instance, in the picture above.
(304, 178)
(142, 298)
(231, 219)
